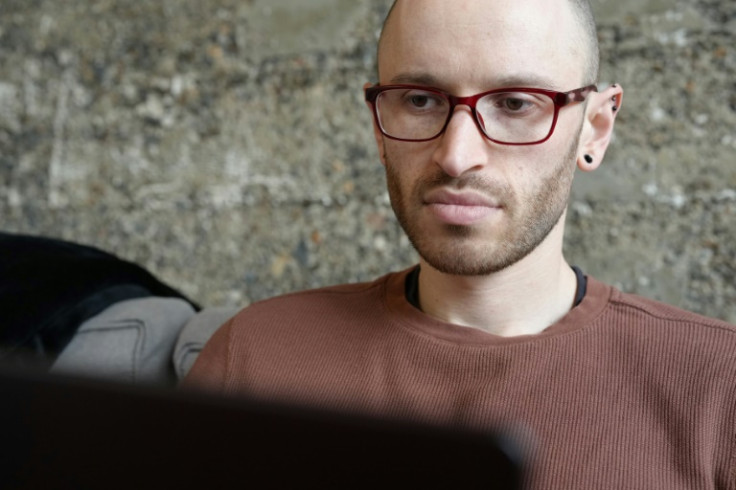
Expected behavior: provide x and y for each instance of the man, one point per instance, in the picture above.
(483, 111)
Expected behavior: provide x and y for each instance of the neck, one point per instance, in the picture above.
(523, 299)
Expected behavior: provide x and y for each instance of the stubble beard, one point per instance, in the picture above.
(459, 251)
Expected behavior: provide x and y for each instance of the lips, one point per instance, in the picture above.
(465, 198)
(460, 208)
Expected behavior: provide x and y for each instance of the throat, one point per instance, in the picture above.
(412, 294)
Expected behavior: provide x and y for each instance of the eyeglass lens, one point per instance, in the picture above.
(508, 117)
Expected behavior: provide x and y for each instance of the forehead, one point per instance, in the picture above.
(480, 44)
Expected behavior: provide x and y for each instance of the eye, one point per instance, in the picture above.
(513, 104)
(419, 101)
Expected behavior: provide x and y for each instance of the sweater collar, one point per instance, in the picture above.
(592, 305)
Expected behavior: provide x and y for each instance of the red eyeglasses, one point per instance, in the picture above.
(508, 116)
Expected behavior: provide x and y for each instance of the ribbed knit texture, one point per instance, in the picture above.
(621, 393)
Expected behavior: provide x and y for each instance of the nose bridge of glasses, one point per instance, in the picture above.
(469, 103)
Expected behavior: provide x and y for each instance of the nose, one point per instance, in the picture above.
(462, 146)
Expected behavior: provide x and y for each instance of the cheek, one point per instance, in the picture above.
(408, 154)
(525, 166)
(535, 168)
(407, 161)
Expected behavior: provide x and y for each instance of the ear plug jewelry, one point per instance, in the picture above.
(588, 159)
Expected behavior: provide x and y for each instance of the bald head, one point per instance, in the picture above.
(582, 36)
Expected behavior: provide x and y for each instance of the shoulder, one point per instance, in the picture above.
(337, 294)
(657, 344)
(345, 302)
(656, 311)
(654, 324)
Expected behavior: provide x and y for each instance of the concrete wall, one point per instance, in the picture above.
(224, 144)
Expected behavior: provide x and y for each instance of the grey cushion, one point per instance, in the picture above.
(195, 334)
(131, 341)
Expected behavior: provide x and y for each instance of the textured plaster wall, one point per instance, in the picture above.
(224, 144)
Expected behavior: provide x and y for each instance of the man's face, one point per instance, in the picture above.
(468, 205)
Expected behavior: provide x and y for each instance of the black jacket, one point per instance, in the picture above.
(49, 287)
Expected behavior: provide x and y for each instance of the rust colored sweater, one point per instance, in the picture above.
(621, 393)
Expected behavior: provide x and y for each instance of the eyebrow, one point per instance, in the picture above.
(514, 80)
(415, 79)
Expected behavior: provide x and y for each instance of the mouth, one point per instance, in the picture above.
(460, 208)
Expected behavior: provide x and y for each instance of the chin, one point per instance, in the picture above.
(460, 266)
(469, 260)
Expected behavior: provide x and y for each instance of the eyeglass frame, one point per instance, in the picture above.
(559, 100)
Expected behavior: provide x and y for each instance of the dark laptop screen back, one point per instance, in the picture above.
(70, 433)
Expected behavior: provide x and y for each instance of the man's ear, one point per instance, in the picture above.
(376, 132)
(600, 116)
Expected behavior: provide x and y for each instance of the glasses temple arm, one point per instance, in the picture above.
(578, 95)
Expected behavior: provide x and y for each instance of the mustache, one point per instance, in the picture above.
(491, 188)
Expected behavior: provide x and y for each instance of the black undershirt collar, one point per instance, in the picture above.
(411, 287)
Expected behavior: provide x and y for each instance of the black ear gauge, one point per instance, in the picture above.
(588, 159)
